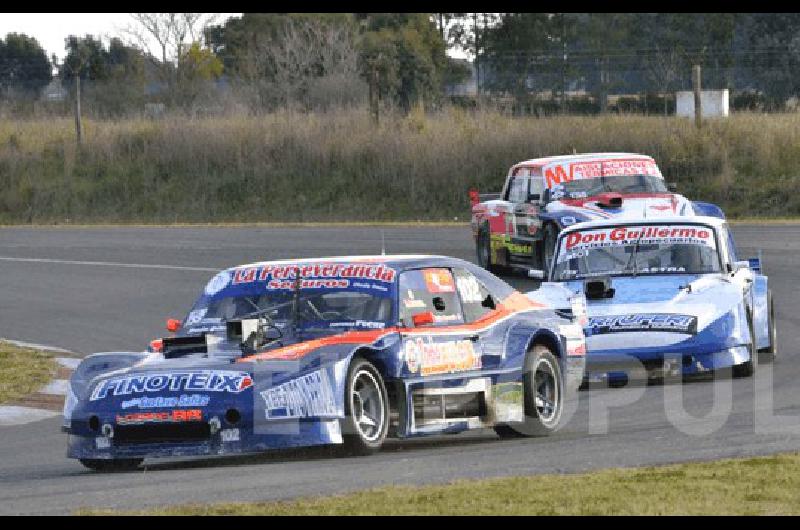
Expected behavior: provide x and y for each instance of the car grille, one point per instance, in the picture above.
(161, 433)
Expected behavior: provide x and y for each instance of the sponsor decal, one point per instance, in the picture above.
(102, 442)
(184, 400)
(196, 316)
(202, 380)
(559, 173)
(168, 416)
(644, 322)
(428, 358)
(308, 395)
(317, 275)
(439, 281)
(500, 241)
(627, 235)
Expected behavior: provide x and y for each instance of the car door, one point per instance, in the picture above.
(435, 341)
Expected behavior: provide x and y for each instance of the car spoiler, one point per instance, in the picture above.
(476, 198)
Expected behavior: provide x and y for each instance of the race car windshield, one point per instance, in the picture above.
(316, 308)
(587, 187)
(662, 249)
(326, 295)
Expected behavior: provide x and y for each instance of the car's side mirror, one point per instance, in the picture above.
(672, 186)
(422, 319)
(536, 274)
(534, 197)
(173, 325)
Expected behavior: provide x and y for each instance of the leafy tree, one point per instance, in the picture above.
(23, 63)
(200, 63)
(403, 55)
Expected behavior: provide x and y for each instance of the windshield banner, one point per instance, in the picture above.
(629, 235)
(560, 172)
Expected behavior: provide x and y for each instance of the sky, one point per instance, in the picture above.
(50, 29)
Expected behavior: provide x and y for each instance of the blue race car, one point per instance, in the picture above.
(342, 350)
(665, 296)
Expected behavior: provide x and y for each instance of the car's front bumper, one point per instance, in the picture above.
(610, 365)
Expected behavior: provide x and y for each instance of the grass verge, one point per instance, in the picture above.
(23, 370)
(744, 486)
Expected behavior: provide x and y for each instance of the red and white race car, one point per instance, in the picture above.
(519, 226)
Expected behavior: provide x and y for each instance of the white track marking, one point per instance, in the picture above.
(108, 264)
(13, 415)
(68, 362)
(56, 387)
(34, 346)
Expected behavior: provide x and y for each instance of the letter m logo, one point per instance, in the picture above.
(556, 175)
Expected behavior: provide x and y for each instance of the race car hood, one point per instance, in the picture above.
(634, 205)
(658, 310)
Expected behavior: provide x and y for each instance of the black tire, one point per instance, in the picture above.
(769, 354)
(541, 370)
(548, 246)
(483, 247)
(118, 464)
(746, 369)
(358, 436)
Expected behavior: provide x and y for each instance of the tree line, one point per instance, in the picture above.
(264, 61)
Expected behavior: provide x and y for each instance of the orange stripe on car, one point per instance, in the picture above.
(514, 303)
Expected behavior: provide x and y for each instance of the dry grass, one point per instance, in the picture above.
(754, 486)
(23, 370)
(289, 166)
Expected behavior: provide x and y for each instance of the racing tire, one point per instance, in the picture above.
(483, 248)
(118, 464)
(548, 246)
(543, 389)
(769, 354)
(747, 369)
(366, 409)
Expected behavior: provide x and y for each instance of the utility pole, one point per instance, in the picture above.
(477, 65)
(698, 111)
(564, 63)
(78, 107)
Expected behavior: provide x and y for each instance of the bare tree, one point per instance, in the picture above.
(308, 56)
(664, 69)
(165, 37)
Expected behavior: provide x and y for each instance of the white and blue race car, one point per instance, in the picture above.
(665, 296)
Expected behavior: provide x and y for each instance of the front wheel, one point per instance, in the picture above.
(748, 368)
(118, 464)
(771, 352)
(543, 396)
(548, 246)
(366, 421)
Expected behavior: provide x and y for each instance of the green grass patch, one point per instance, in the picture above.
(23, 370)
(751, 486)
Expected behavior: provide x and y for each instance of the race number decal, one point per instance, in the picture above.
(469, 289)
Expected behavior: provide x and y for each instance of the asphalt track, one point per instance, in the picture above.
(95, 289)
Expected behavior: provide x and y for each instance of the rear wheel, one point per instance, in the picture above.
(748, 368)
(119, 464)
(771, 352)
(484, 250)
(543, 396)
(366, 421)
